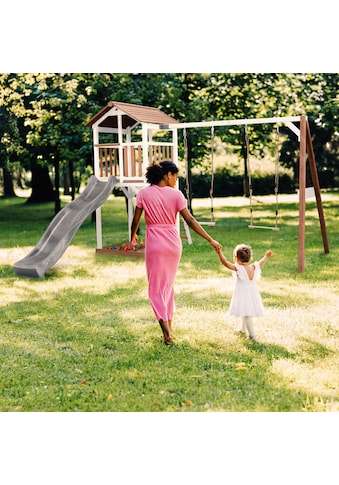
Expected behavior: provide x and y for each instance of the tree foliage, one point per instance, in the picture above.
(43, 117)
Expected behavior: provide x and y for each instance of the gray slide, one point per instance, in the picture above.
(63, 227)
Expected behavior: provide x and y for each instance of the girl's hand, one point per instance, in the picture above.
(217, 246)
(268, 253)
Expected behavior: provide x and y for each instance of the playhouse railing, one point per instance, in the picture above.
(132, 159)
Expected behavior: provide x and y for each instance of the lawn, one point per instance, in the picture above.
(84, 338)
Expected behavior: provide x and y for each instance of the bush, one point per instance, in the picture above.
(226, 184)
(265, 185)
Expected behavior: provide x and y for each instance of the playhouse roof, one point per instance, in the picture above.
(132, 114)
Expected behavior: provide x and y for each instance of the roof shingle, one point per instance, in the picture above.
(132, 113)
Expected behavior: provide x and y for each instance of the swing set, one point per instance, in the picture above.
(128, 160)
(306, 151)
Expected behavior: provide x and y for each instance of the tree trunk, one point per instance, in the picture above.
(57, 204)
(69, 183)
(189, 175)
(8, 184)
(71, 177)
(42, 187)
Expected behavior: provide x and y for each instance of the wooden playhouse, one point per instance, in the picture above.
(126, 139)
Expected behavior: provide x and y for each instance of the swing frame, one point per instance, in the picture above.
(306, 150)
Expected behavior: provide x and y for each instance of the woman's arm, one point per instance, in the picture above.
(135, 225)
(194, 224)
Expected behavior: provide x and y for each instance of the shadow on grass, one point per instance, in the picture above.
(314, 351)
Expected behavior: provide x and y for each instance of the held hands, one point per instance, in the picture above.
(217, 246)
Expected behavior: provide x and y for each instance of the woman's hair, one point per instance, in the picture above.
(243, 253)
(155, 173)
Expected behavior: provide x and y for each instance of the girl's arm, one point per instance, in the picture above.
(267, 256)
(194, 224)
(135, 225)
(224, 261)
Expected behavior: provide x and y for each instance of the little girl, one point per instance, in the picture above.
(246, 300)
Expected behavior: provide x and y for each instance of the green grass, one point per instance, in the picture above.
(84, 338)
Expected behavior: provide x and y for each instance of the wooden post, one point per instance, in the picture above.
(98, 173)
(96, 154)
(315, 181)
(116, 165)
(145, 147)
(120, 150)
(302, 188)
(139, 161)
(100, 161)
(104, 168)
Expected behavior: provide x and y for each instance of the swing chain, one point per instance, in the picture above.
(276, 157)
(276, 176)
(248, 165)
(276, 180)
(212, 170)
(186, 159)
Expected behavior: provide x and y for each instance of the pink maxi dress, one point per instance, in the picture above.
(163, 245)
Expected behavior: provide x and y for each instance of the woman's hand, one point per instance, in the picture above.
(135, 225)
(217, 246)
(134, 240)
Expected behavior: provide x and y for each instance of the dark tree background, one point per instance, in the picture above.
(43, 116)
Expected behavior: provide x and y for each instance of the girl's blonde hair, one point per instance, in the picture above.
(243, 252)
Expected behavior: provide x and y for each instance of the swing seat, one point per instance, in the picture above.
(207, 223)
(264, 227)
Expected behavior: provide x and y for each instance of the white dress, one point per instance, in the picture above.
(246, 300)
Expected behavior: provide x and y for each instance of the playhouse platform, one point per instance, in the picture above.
(123, 249)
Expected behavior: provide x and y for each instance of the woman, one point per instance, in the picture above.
(161, 203)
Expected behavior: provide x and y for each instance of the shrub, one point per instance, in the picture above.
(227, 184)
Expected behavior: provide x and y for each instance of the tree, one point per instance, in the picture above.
(6, 134)
(318, 94)
(44, 115)
(185, 98)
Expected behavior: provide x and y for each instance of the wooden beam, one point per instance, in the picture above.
(239, 122)
(302, 189)
(316, 185)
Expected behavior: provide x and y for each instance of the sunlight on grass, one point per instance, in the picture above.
(85, 338)
(318, 380)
